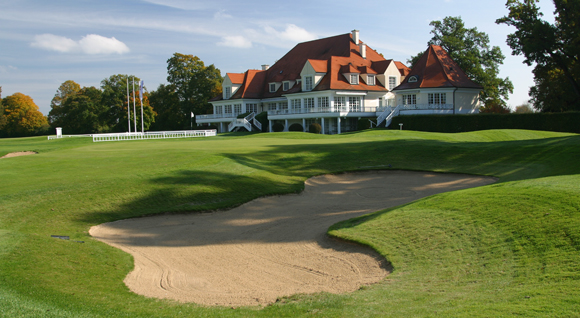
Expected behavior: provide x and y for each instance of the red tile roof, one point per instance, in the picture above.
(334, 56)
(236, 78)
(436, 69)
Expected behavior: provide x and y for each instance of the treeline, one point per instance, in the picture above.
(85, 110)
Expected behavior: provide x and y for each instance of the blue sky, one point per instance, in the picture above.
(44, 43)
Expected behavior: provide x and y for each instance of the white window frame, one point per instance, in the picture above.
(392, 82)
(237, 109)
(271, 106)
(228, 92)
(308, 83)
(323, 102)
(410, 99)
(354, 103)
(252, 108)
(285, 86)
(309, 103)
(272, 87)
(340, 102)
(218, 110)
(354, 79)
(227, 109)
(296, 103)
(283, 105)
(371, 80)
(437, 98)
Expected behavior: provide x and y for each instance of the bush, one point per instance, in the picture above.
(315, 128)
(205, 127)
(363, 123)
(263, 119)
(277, 127)
(560, 122)
(295, 127)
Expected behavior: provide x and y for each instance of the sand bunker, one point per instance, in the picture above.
(18, 154)
(270, 247)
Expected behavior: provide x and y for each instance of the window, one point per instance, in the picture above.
(437, 98)
(308, 83)
(371, 80)
(283, 105)
(309, 103)
(322, 102)
(392, 82)
(410, 99)
(218, 110)
(413, 79)
(237, 109)
(228, 109)
(272, 87)
(286, 86)
(271, 106)
(354, 79)
(296, 103)
(354, 103)
(228, 92)
(340, 102)
(252, 108)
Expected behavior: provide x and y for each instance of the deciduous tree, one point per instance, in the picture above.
(471, 50)
(66, 89)
(2, 116)
(194, 84)
(82, 112)
(553, 48)
(22, 116)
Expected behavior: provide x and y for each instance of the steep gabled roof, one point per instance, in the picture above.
(436, 69)
(236, 78)
(319, 66)
(252, 85)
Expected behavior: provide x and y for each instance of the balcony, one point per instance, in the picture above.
(317, 110)
(427, 107)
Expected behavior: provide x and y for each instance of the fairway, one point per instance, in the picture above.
(506, 249)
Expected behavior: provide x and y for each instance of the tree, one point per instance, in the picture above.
(114, 99)
(66, 89)
(194, 85)
(2, 116)
(165, 102)
(82, 113)
(524, 109)
(554, 48)
(470, 49)
(22, 116)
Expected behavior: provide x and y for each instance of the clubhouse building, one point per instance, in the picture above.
(335, 82)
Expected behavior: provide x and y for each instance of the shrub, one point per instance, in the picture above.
(295, 127)
(363, 123)
(263, 119)
(315, 128)
(277, 127)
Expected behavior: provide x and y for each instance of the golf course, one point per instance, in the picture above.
(509, 248)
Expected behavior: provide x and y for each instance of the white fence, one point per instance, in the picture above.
(146, 135)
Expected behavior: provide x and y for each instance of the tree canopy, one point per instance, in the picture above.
(22, 116)
(471, 50)
(553, 48)
(194, 85)
(2, 116)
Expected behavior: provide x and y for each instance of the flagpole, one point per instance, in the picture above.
(141, 98)
(134, 111)
(128, 107)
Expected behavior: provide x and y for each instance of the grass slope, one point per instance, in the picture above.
(508, 249)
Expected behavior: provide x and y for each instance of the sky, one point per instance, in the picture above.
(45, 43)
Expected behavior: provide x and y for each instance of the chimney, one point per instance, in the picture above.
(265, 67)
(363, 50)
(355, 36)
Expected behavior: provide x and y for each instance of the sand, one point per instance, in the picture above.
(18, 154)
(270, 247)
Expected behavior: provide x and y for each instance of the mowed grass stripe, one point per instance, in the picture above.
(480, 252)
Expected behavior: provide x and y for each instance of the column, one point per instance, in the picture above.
(304, 124)
(270, 125)
(338, 123)
(322, 121)
(285, 124)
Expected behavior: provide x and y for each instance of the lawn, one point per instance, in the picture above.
(508, 249)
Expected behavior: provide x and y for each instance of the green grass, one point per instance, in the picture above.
(508, 249)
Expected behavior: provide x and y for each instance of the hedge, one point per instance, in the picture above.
(559, 122)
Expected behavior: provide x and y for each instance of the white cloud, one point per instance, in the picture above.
(89, 44)
(291, 33)
(221, 15)
(96, 44)
(7, 69)
(235, 41)
(53, 42)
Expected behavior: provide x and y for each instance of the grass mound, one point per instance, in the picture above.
(502, 250)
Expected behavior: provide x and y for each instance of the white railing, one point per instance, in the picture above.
(359, 109)
(257, 124)
(216, 116)
(384, 115)
(153, 135)
(240, 122)
(426, 106)
(394, 113)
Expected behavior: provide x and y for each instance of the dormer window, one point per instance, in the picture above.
(308, 83)
(285, 86)
(228, 92)
(371, 80)
(354, 79)
(272, 87)
(413, 79)
(392, 82)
